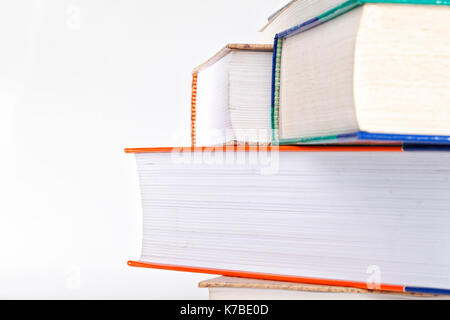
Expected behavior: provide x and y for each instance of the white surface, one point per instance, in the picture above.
(79, 81)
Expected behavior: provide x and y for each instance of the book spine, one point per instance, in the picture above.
(276, 78)
(403, 137)
(194, 110)
(414, 147)
(427, 291)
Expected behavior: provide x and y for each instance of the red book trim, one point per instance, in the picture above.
(270, 149)
(263, 276)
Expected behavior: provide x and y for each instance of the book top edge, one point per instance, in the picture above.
(230, 47)
(250, 47)
(269, 149)
(343, 8)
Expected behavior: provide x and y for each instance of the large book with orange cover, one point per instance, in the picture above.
(359, 217)
(231, 96)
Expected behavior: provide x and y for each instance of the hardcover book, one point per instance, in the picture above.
(294, 13)
(359, 217)
(364, 71)
(231, 97)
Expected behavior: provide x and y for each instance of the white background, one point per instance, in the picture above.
(79, 82)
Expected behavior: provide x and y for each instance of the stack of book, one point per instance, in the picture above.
(321, 160)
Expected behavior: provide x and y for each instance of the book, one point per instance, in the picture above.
(229, 288)
(285, 5)
(361, 217)
(231, 96)
(294, 13)
(364, 72)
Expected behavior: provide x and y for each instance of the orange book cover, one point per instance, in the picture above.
(263, 276)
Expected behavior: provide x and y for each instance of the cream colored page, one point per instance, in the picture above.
(317, 80)
(250, 95)
(402, 69)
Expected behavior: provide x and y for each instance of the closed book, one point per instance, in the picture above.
(360, 217)
(364, 71)
(294, 13)
(231, 97)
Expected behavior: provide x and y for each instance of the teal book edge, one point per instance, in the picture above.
(276, 78)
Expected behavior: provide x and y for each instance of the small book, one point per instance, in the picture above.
(231, 96)
(361, 217)
(229, 288)
(364, 72)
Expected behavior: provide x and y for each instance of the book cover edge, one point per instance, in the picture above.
(295, 279)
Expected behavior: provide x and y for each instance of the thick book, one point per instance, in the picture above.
(360, 217)
(231, 96)
(274, 15)
(294, 13)
(364, 71)
(229, 288)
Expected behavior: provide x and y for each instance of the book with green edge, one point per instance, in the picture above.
(363, 71)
